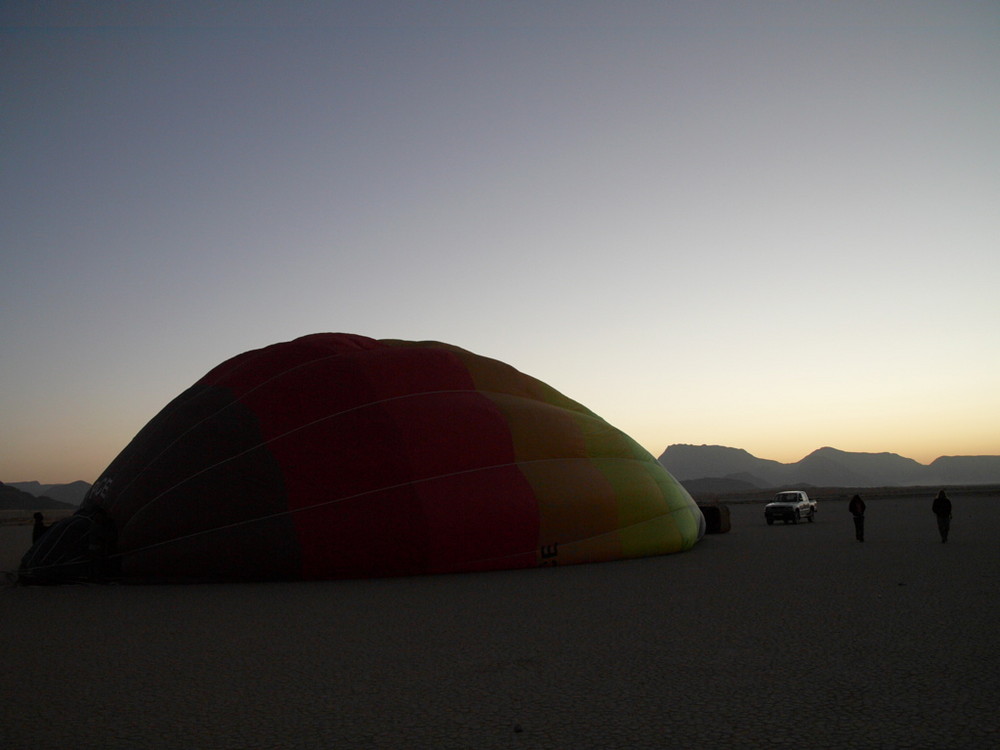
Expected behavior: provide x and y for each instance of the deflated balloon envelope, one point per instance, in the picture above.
(336, 455)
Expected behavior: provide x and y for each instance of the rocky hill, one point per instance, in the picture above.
(827, 467)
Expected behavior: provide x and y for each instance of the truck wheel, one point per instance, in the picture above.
(812, 516)
(796, 518)
(770, 521)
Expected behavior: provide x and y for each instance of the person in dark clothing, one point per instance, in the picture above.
(942, 509)
(39, 528)
(857, 508)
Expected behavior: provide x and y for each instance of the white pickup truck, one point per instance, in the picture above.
(790, 505)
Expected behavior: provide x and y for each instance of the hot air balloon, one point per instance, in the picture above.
(340, 456)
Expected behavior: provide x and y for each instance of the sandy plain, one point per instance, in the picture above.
(778, 636)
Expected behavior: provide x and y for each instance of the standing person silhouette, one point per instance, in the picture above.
(857, 508)
(942, 509)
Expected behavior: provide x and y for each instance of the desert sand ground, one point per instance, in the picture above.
(769, 636)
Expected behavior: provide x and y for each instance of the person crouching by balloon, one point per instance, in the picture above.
(39, 528)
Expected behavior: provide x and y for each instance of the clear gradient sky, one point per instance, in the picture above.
(768, 225)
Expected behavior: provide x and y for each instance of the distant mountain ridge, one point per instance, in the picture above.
(720, 466)
(827, 467)
(12, 498)
(72, 493)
